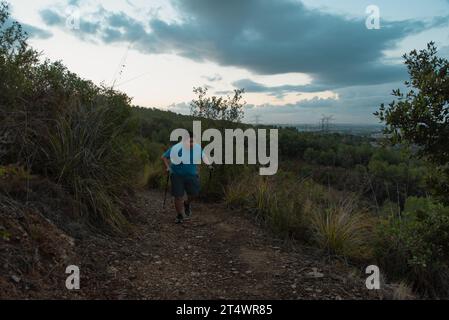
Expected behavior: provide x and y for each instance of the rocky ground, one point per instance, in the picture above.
(219, 254)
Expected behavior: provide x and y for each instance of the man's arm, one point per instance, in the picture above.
(166, 162)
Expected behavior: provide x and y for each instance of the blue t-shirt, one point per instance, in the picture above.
(184, 160)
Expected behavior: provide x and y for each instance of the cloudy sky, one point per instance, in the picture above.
(297, 60)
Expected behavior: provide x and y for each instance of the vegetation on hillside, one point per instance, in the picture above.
(57, 125)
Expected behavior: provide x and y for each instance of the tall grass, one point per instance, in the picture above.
(279, 207)
(235, 194)
(88, 152)
(306, 210)
(341, 229)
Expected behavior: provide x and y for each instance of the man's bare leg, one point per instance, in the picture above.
(179, 206)
(187, 207)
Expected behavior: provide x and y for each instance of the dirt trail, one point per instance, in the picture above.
(219, 254)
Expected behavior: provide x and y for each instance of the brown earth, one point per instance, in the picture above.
(218, 254)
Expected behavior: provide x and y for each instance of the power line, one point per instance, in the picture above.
(121, 67)
(325, 122)
(134, 78)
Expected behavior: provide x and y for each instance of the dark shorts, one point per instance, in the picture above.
(184, 184)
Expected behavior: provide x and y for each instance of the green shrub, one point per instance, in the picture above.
(415, 245)
(66, 128)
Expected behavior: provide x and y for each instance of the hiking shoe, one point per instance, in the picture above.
(187, 210)
(179, 219)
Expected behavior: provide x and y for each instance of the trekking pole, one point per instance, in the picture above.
(166, 189)
(210, 174)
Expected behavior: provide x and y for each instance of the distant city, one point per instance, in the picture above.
(354, 129)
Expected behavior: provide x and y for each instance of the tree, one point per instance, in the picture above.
(16, 59)
(421, 116)
(218, 108)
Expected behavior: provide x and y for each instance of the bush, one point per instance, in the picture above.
(88, 152)
(157, 175)
(415, 245)
(66, 128)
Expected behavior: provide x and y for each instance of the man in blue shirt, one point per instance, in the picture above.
(181, 162)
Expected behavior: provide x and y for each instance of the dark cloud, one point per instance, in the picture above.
(32, 31)
(279, 91)
(265, 37)
(35, 32)
(51, 17)
(272, 37)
